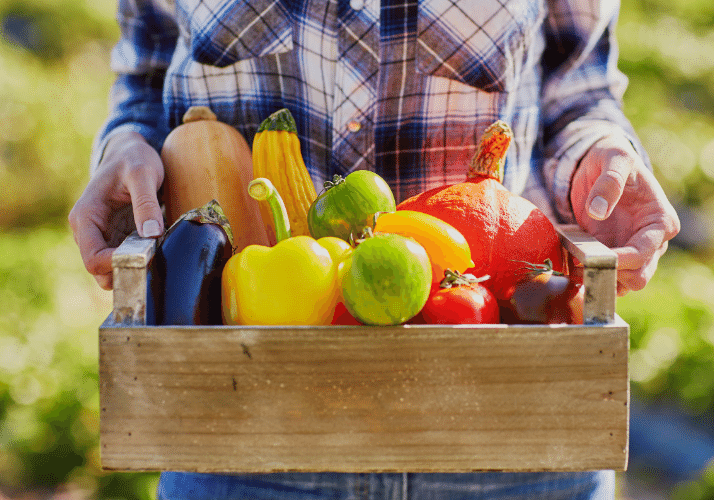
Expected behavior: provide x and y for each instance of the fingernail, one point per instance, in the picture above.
(598, 208)
(151, 228)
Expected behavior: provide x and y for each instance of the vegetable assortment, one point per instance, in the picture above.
(460, 254)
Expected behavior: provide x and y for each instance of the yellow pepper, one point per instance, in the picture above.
(292, 283)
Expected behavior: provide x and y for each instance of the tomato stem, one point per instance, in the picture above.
(455, 278)
(337, 179)
(262, 189)
(545, 267)
(366, 233)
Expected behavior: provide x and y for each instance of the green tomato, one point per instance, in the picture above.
(387, 281)
(347, 205)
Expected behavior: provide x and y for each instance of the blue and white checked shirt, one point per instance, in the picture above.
(403, 88)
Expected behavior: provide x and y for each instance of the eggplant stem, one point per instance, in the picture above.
(210, 213)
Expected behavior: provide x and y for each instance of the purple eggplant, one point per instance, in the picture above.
(184, 277)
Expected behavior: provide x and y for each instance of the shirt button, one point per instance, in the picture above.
(354, 126)
(357, 4)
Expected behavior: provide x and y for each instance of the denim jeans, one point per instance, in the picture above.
(599, 485)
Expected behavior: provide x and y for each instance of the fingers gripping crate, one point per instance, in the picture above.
(416, 398)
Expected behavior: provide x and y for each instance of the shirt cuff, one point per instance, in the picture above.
(100, 143)
(560, 167)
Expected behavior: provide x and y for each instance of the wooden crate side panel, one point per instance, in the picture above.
(364, 399)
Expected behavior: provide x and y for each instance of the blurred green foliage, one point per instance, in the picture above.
(54, 80)
(667, 51)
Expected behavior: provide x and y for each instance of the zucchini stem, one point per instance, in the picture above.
(261, 189)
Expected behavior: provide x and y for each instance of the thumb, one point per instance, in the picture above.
(142, 187)
(609, 186)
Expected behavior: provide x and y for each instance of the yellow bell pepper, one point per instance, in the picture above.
(292, 283)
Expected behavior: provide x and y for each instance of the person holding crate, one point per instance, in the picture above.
(403, 89)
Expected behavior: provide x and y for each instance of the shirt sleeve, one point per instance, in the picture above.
(582, 90)
(140, 58)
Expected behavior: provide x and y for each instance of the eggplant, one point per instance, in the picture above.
(184, 277)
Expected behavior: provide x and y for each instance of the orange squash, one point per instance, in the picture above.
(206, 160)
(503, 230)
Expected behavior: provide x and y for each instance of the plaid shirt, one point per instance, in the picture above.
(403, 88)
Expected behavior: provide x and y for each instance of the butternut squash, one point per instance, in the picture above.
(277, 157)
(204, 160)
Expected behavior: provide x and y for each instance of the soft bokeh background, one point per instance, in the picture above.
(54, 78)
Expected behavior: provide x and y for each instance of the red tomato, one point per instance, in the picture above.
(545, 297)
(343, 317)
(461, 304)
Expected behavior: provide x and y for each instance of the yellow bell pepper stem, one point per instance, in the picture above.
(262, 189)
(292, 283)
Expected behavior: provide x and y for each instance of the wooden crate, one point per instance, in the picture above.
(414, 398)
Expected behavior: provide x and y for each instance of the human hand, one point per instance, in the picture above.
(618, 200)
(125, 184)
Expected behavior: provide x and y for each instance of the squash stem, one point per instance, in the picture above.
(490, 157)
(198, 113)
(262, 189)
(279, 120)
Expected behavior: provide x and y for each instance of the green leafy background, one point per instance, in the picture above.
(54, 79)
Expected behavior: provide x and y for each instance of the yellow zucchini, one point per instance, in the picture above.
(277, 157)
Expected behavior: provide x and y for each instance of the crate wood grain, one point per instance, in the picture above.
(415, 398)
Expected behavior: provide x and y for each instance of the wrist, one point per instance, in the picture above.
(120, 142)
(124, 139)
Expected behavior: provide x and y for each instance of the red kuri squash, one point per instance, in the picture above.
(503, 230)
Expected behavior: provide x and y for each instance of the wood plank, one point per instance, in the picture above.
(129, 274)
(586, 248)
(599, 273)
(419, 398)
